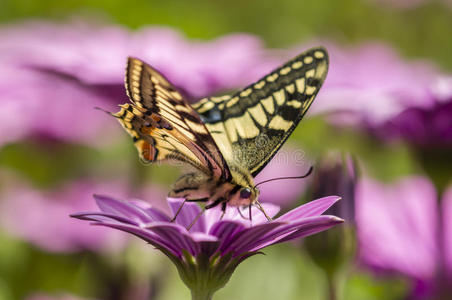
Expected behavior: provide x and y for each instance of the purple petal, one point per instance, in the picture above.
(226, 231)
(120, 208)
(294, 230)
(213, 215)
(176, 235)
(208, 244)
(313, 208)
(101, 217)
(153, 239)
(249, 236)
(258, 217)
(157, 215)
(187, 214)
(307, 230)
(154, 213)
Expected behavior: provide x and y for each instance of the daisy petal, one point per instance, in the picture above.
(313, 208)
(187, 215)
(127, 210)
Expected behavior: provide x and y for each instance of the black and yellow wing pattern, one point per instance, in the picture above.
(251, 125)
(163, 125)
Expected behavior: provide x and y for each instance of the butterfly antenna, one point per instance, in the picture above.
(291, 177)
(105, 111)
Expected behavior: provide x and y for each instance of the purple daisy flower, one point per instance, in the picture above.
(208, 252)
(21, 201)
(405, 228)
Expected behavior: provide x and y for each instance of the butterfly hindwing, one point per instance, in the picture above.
(163, 125)
(252, 124)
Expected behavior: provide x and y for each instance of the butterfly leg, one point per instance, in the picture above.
(187, 200)
(198, 200)
(178, 211)
(215, 203)
(262, 210)
(240, 213)
(196, 218)
(223, 209)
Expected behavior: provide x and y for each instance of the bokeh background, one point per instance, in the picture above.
(379, 135)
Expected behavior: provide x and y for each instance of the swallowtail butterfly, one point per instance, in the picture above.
(228, 139)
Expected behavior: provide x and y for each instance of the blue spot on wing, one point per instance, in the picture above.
(211, 116)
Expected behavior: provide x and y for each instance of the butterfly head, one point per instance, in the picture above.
(243, 196)
(244, 191)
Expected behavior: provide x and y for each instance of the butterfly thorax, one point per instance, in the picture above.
(198, 186)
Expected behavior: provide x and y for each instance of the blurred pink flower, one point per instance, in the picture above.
(372, 86)
(403, 229)
(287, 162)
(53, 75)
(42, 217)
(447, 217)
(421, 126)
(372, 83)
(97, 54)
(37, 103)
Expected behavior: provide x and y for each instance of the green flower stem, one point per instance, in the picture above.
(204, 274)
(332, 288)
(201, 294)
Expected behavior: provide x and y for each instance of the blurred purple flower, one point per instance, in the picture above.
(421, 126)
(287, 162)
(447, 217)
(337, 174)
(53, 75)
(372, 86)
(40, 217)
(334, 174)
(372, 83)
(211, 249)
(403, 229)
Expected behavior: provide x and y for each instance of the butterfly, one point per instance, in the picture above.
(228, 139)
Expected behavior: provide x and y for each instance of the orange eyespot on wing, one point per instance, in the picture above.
(163, 125)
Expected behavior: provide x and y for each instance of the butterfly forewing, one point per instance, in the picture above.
(163, 125)
(252, 124)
